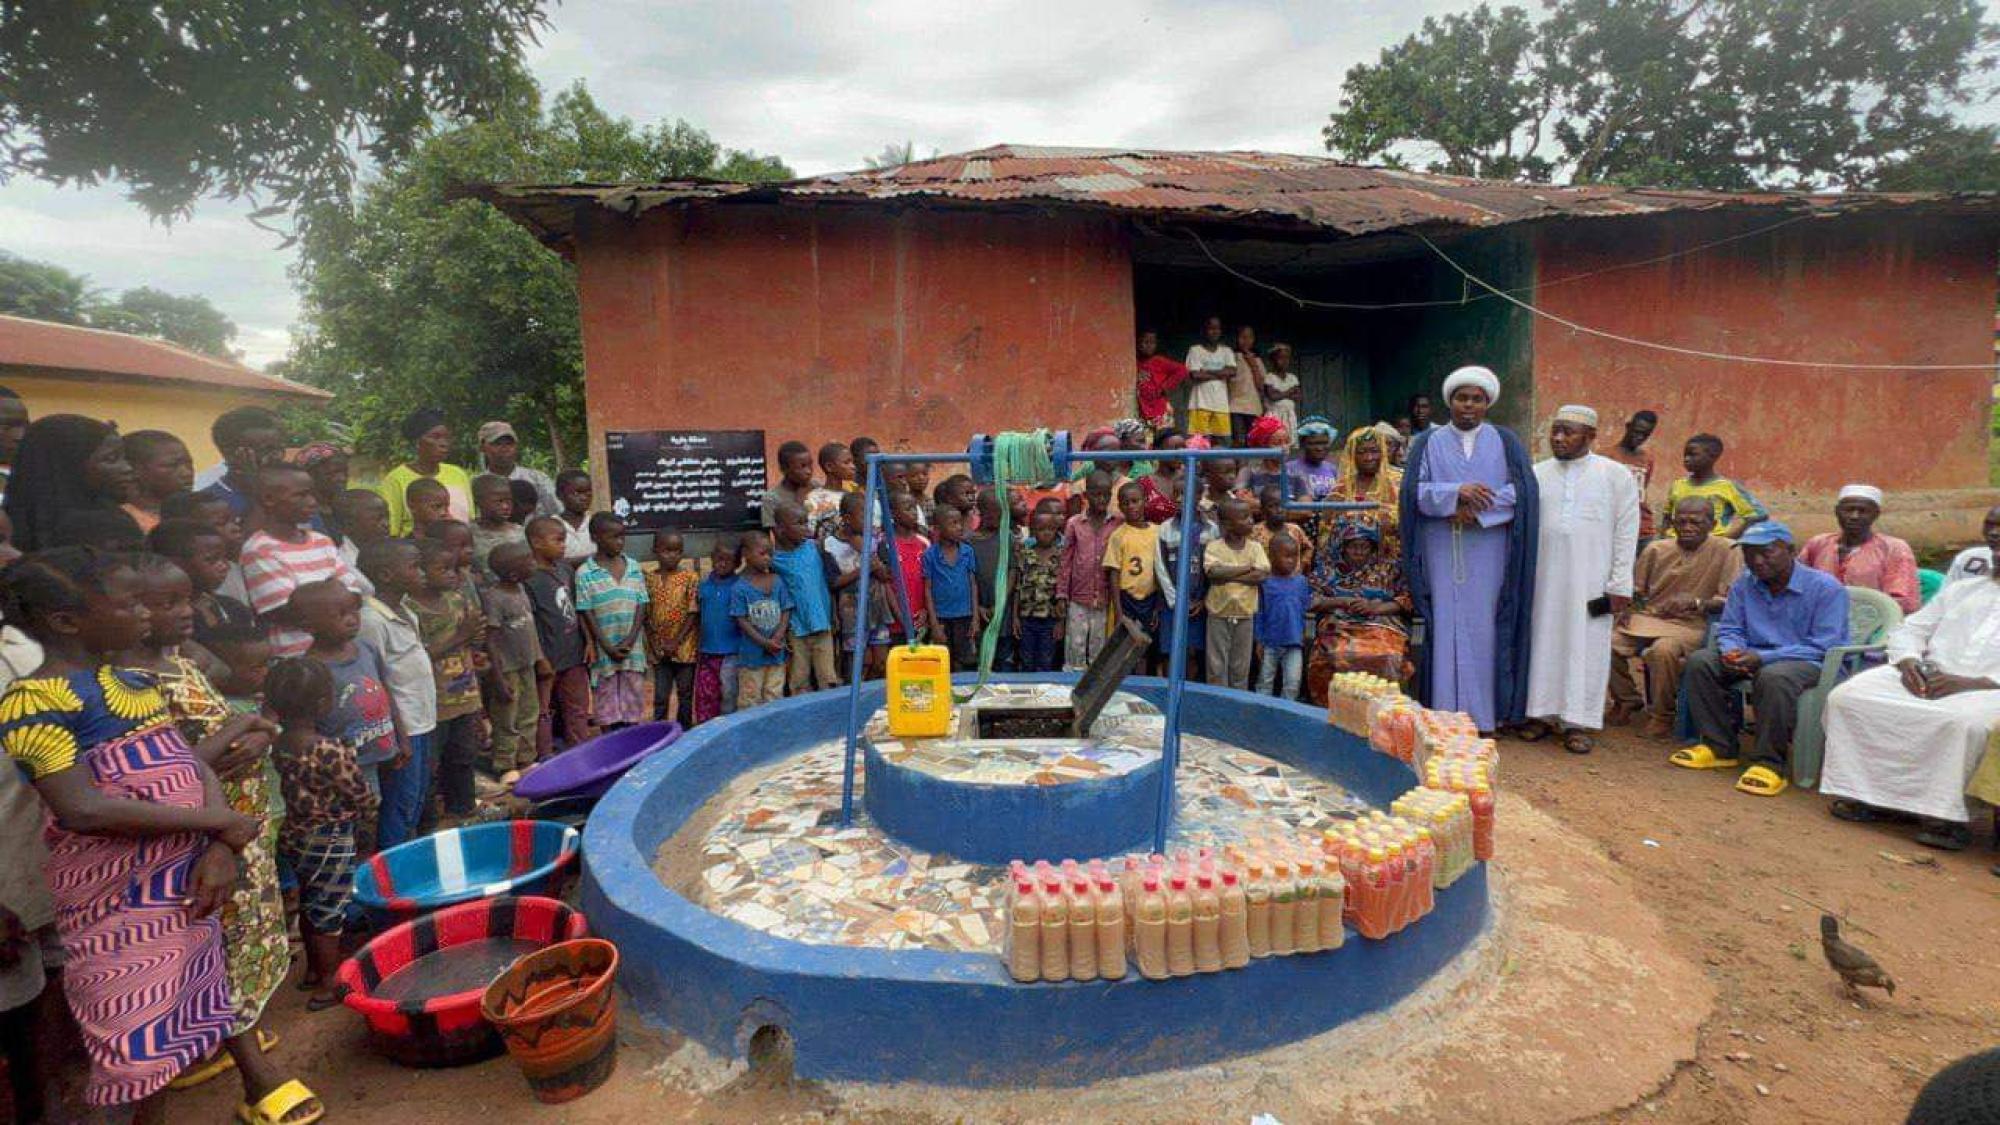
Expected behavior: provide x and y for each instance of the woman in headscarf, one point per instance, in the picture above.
(67, 466)
(1363, 608)
(1314, 472)
(1365, 474)
(1132, 436)
(1161, 484)
(1269, 433)
(430, 444)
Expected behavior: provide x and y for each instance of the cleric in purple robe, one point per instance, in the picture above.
(1469, 530)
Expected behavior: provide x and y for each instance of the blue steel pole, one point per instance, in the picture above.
(857, 664)
(1170, 739)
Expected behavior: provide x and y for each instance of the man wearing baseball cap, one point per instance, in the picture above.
(1777, 625)
(500, 454)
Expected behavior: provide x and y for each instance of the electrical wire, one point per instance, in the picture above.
(1468, 298)
(1674, 349)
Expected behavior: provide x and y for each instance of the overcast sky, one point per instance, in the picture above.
(822, 85)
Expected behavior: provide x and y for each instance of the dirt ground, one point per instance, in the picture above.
(1655, 959)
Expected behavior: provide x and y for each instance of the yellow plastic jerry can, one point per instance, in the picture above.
(919, 687)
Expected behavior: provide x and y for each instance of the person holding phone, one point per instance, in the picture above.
(1583, 579)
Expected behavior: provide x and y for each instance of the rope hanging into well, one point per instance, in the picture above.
(1022, 457)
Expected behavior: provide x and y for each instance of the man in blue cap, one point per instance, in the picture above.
(1777, 625)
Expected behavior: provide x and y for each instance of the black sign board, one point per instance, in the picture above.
(709, 480)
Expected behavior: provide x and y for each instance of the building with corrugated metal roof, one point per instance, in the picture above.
(1825, 337)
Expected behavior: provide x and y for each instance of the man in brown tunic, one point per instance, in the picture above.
(1676, 585)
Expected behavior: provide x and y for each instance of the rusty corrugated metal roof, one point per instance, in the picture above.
(1269, 190)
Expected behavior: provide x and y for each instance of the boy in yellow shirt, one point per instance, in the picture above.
(1236, 566)
(1129, 558)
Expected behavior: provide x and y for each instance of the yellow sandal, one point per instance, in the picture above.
(218, 1064)
(272, 1107)
(1761, 781)
(1700, 757)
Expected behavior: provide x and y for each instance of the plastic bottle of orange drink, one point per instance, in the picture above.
(1235, 922)
(1110, 930)
(1284, 899)
(1055, 930)
(1332, 902)
(1024, 933)
(1257, 909)
(1305, 932)
(1082, 930)
(1180, 928)
(1207, 925)
(1369, 916)
(1149, 935)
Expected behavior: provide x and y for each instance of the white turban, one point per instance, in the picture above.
(1581, 415)
(1866, 492)
(1474, 376)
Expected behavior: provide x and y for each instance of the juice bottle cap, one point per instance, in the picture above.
(1131, 863)
(1375, 855)
(1069, 866)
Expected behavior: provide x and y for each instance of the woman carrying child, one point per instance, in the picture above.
(253, 918)
(142, 844)
(1364, 609)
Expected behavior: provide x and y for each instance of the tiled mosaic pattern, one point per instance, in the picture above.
(779, 861)
(1125, 736)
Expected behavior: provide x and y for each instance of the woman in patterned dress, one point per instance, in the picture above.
(254, 944)
(1363, 606)
(142, 846)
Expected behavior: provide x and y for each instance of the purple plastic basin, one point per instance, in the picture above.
(588, 770)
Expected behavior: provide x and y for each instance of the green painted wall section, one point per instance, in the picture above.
(1358, 366)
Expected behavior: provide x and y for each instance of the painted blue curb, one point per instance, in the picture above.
(955, 1018)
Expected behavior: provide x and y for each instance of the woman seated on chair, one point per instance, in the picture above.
(1364, 607)
(1904, 740)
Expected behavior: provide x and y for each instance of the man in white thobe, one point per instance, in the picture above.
(1583, 578)
(1907, 737)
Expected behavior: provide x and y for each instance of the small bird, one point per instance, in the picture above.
(1855, 967)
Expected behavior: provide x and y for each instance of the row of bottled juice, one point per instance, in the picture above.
(1390, 866)
(1448, 817)
(1195, 913)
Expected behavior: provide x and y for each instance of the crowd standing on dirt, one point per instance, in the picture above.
(227, 693)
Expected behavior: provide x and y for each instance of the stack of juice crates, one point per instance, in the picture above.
(1448, 815)
(1392, 726)
(1388, 864)
(1472, 777)
(1349, 699)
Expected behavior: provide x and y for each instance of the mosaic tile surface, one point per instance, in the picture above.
(1125, 736)
(778, 859)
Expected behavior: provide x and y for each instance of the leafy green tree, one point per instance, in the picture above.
(267, 99)
(43, 291)
(1724, 94)
(413, 296)
(190, 321)
(897, 153)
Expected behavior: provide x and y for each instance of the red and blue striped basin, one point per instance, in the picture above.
(512, 857)
(445, 1029)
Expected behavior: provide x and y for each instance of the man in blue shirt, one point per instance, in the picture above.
(1777, 625)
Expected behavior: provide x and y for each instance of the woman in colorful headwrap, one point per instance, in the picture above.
(1267, 432)
(1365, 474)
(1133, 436)
(1314, 472)
(1161, 484)
(1364, 609)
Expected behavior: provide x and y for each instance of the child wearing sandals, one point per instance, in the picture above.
(328, 805)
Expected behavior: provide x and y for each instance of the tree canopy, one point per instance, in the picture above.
(45, 291)
(1722, 94)
(264, 99)
(410, 297)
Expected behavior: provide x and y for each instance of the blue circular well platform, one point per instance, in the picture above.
(956, 1018)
